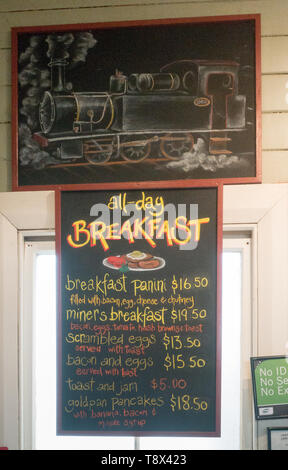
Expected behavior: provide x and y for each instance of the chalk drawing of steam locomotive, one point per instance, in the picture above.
(170, 109)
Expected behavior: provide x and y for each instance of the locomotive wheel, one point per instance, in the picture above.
(135, 150)
(98, 151)
(173, 146)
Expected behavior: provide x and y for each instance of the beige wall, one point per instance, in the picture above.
(274, 44)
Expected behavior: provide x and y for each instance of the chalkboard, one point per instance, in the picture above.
(270, 386)
(138, 311)
(174, 99)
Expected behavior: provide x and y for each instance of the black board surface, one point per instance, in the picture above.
(137, 101)
(138, 317)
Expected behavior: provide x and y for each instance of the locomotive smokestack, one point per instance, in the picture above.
(58, 83)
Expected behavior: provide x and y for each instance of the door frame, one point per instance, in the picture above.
(263, 208)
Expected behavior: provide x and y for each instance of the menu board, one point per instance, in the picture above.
(270, 386)
(138, 311)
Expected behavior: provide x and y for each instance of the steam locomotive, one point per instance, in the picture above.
(185, 100)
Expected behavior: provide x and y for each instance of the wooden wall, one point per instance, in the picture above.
(274, 44)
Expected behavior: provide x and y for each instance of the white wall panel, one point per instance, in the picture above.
(275, 131)
(35, 13)
(9, 399)
(275, 166)
(273, 301)
(5, 100)
(5, 174)
(274, 54)
(5, 142)
(13, 5)
(275, 93)
(5, 67)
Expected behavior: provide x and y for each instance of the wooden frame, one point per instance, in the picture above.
(219, 231)
(185, 143)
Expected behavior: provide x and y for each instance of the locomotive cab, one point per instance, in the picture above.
(219, 81)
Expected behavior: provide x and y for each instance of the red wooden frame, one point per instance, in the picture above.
(217, 432)
(138, 184)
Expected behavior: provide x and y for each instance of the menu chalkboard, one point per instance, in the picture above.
(138, 311)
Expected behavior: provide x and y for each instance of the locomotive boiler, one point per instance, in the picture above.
(164, 111)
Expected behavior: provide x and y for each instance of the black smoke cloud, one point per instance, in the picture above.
(80, 47)
(58, 45)
(70, 46)
(34, 79)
